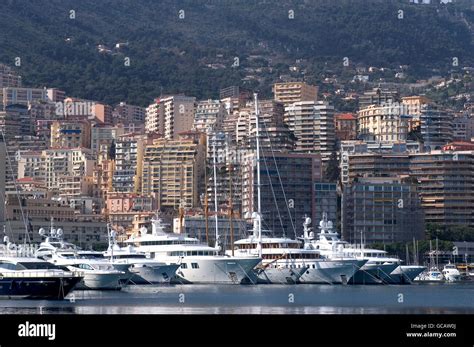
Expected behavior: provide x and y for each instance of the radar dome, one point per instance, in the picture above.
(42, 231)
(329, 224)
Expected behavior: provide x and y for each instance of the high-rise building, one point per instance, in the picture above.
(103, 134)
(436, 126)
(313, 126)
(463, 128)
(22, 96)
(129, 163)
(287, 183)
(291, 92)
(274, 133)
(71, 134)
(170, 115)
(209, 115)
(103, 113)
(172, 172)
(8, 77)
(55, 95)
(383, 210)
(128, 114)
(56, 166)
(446, 184)
(372, 159)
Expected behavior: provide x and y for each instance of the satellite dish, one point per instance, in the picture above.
(59, 232)
(143, 230)
(6, 239)
(53, 232)
(321, 224)
(42, 231)
(329, 224)
(307, 220)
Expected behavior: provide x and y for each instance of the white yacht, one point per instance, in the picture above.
(451, 273)
(378, 266)
(31, 278)
(432, 275)
(199, 263)
(284, 260)
(98, 272)
(97, 275)
(144, 270)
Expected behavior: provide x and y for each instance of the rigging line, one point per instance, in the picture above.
(281, 183)
(274, 196)
(27, 233)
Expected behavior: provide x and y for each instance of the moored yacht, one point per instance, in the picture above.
(31, 278)
(451, 273)
(199, 263)
(144, 270)
(284, 260)
(378, 266)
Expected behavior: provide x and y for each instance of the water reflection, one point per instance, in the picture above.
(269, 299)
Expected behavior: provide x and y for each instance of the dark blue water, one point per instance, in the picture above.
(272, 299)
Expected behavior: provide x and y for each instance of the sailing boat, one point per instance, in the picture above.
(433, 274)
(285, 260)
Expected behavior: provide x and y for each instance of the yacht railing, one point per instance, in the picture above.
(40, 274)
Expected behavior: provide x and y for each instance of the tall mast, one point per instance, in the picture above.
(206, 207)
(215, 190)
(231, 210)
(259, 206)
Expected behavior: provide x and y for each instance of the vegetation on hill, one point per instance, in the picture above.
(191, 46)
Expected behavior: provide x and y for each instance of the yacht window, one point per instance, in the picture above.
(195, 265)
(184, 266)
(194, 253)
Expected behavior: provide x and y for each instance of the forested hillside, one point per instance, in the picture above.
(190, 46)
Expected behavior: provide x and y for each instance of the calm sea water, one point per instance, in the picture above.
(271, 299)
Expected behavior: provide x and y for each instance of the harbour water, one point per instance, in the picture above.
(435, 298)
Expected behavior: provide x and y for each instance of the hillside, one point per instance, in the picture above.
(195, 54)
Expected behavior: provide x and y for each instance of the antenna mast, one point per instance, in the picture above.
(259, 206)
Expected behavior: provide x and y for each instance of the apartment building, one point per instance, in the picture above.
(170, 115)
(312, 123)
(172, 172)
(70, 134)
(291, 92)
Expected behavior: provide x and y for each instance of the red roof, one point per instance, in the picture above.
(345, 116)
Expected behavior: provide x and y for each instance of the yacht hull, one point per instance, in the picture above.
(103, 281)
(330, 271)
(279, 275)
(405, 274)
(373, 274)
(222, 270)
(37, 287)
(149, 274)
